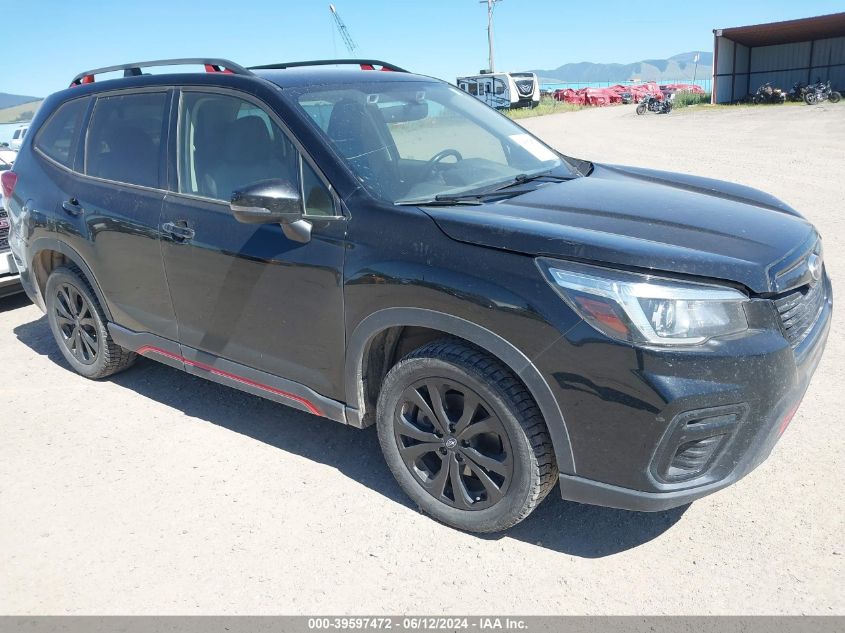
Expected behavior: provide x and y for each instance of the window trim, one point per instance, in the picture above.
(340, 211)
(74, 145)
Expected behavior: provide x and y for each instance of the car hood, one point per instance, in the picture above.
(646, 219)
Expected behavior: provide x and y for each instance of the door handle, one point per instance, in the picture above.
(178, 231)
(72, 207)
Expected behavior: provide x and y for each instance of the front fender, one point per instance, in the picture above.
(519, 363)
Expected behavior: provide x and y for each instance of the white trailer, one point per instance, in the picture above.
(503, 90)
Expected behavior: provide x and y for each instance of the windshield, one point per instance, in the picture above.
(414, 141)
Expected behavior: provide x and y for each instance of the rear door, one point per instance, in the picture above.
(246, 293)
(121, 197)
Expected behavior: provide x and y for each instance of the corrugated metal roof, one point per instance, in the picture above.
(816, 28)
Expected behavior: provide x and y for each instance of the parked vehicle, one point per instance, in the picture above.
(503, 90)
(9, 278)
(768, 94)
(18, 136)
(796, 93)
(650, 103)
(821, 91)
(508, 317)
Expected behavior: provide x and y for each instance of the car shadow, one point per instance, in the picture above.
(563, 526)
(13, 302)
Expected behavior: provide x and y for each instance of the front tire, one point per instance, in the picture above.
(464, 438)
(79, 326)
(835, 97)
(810, 98)
(641, 108)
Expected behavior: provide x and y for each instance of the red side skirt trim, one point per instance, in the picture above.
(149, 349)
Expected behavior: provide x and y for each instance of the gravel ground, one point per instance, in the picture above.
(157, 492)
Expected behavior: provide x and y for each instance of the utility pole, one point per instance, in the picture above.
(491, 5)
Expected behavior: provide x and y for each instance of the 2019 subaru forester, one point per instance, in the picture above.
(380, 247)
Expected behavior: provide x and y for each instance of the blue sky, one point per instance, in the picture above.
(48, 41)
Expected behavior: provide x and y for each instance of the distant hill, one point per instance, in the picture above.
(20, 113)
(7, 100)
(676, 67)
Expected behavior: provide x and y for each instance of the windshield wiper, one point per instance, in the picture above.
(472, 199)
(477, 197)
(523, 178)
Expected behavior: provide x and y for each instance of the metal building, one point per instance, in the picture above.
(783, 53)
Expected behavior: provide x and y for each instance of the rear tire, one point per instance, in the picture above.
(78, 324)
(835, 97)
(464, 438)
(810, 98)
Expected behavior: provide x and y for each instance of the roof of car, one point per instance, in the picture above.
(298, 74)
(313, 76)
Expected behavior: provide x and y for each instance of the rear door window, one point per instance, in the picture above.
(58, 136)
(124, 138)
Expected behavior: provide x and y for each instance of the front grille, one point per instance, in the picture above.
(799, 310)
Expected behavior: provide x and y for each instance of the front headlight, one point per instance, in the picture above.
(644, 308)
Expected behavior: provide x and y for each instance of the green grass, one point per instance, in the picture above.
(686, 99)
(720, 107)
(547, 106)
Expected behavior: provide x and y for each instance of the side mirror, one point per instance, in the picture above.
(272, 202)
(267, 202)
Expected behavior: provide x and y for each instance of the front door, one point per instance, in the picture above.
(246, 293)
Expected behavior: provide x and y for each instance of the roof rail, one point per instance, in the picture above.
(365, 64)
(212, 65)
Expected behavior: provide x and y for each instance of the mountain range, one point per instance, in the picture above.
(677, 67)
(8, 100)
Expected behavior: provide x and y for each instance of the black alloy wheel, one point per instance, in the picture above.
(464, 438)
(75, 319)
(453, 443)
(79, 325)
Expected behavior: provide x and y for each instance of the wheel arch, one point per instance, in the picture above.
(368, 330)
(43, 260)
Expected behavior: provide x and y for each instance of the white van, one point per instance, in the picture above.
(503, 90)
(17, 136)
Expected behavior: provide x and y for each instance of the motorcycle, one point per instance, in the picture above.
(650, 103)
(797, 92)
(821, 91)
(767, 94)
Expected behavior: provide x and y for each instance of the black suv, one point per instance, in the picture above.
(374, 246)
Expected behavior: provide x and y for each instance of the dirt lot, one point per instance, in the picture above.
(156, 492)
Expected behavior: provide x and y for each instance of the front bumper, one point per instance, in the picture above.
(625, 407)
(10, 282)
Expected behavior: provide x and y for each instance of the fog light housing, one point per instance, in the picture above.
(694, 441)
